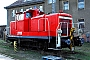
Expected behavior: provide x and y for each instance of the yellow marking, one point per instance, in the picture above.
(71, 38)
(15, 46)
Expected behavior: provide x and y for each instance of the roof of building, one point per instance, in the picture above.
(2, 25)
(21, 3)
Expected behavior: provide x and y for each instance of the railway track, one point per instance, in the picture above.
(65, 54)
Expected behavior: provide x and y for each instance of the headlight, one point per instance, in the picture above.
(68, 42)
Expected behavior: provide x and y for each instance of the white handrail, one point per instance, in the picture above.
(45, 22)
(15, 21)
(57, 29)
(67, 29)
(49, 30)
(60, 28)
(46, 19)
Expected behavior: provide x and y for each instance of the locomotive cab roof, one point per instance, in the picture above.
(33, 12)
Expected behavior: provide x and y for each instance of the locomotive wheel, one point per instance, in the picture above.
(45, 46)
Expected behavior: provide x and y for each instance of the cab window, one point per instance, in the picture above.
(28, 15)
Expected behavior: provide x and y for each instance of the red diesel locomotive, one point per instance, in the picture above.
(46, 31)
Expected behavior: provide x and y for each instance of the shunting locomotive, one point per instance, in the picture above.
(55, 31)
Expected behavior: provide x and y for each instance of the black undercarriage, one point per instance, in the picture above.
(43, 42)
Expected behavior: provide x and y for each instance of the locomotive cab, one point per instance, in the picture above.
(33, 13)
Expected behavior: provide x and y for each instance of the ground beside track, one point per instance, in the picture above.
(81, 53)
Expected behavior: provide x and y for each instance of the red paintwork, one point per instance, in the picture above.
(34, 23)
(22, 25)
(12, 28)
(35, 33)
(29, 26)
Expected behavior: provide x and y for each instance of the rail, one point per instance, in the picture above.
(46, 19)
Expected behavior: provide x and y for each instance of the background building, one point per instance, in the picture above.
(2, 31)
(79, 9)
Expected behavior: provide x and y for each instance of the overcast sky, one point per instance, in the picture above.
(3, 12)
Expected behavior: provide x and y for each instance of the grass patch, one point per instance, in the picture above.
(81, 53)
(7, 49)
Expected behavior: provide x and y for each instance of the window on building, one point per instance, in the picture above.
(34, 7)
(29, 0)
(81, 23)
(16, 11)
(21, 10)
(51, 1)
(41, 8)
(13, 13)
(66, 5)
(19, 16)
(25, 0)
(81, 4)
(30, 8)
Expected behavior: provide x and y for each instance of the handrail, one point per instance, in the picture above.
(45, 22)
(56, 31)
(46, 19)
(60, 28)
(15, 21)
(67, 29)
